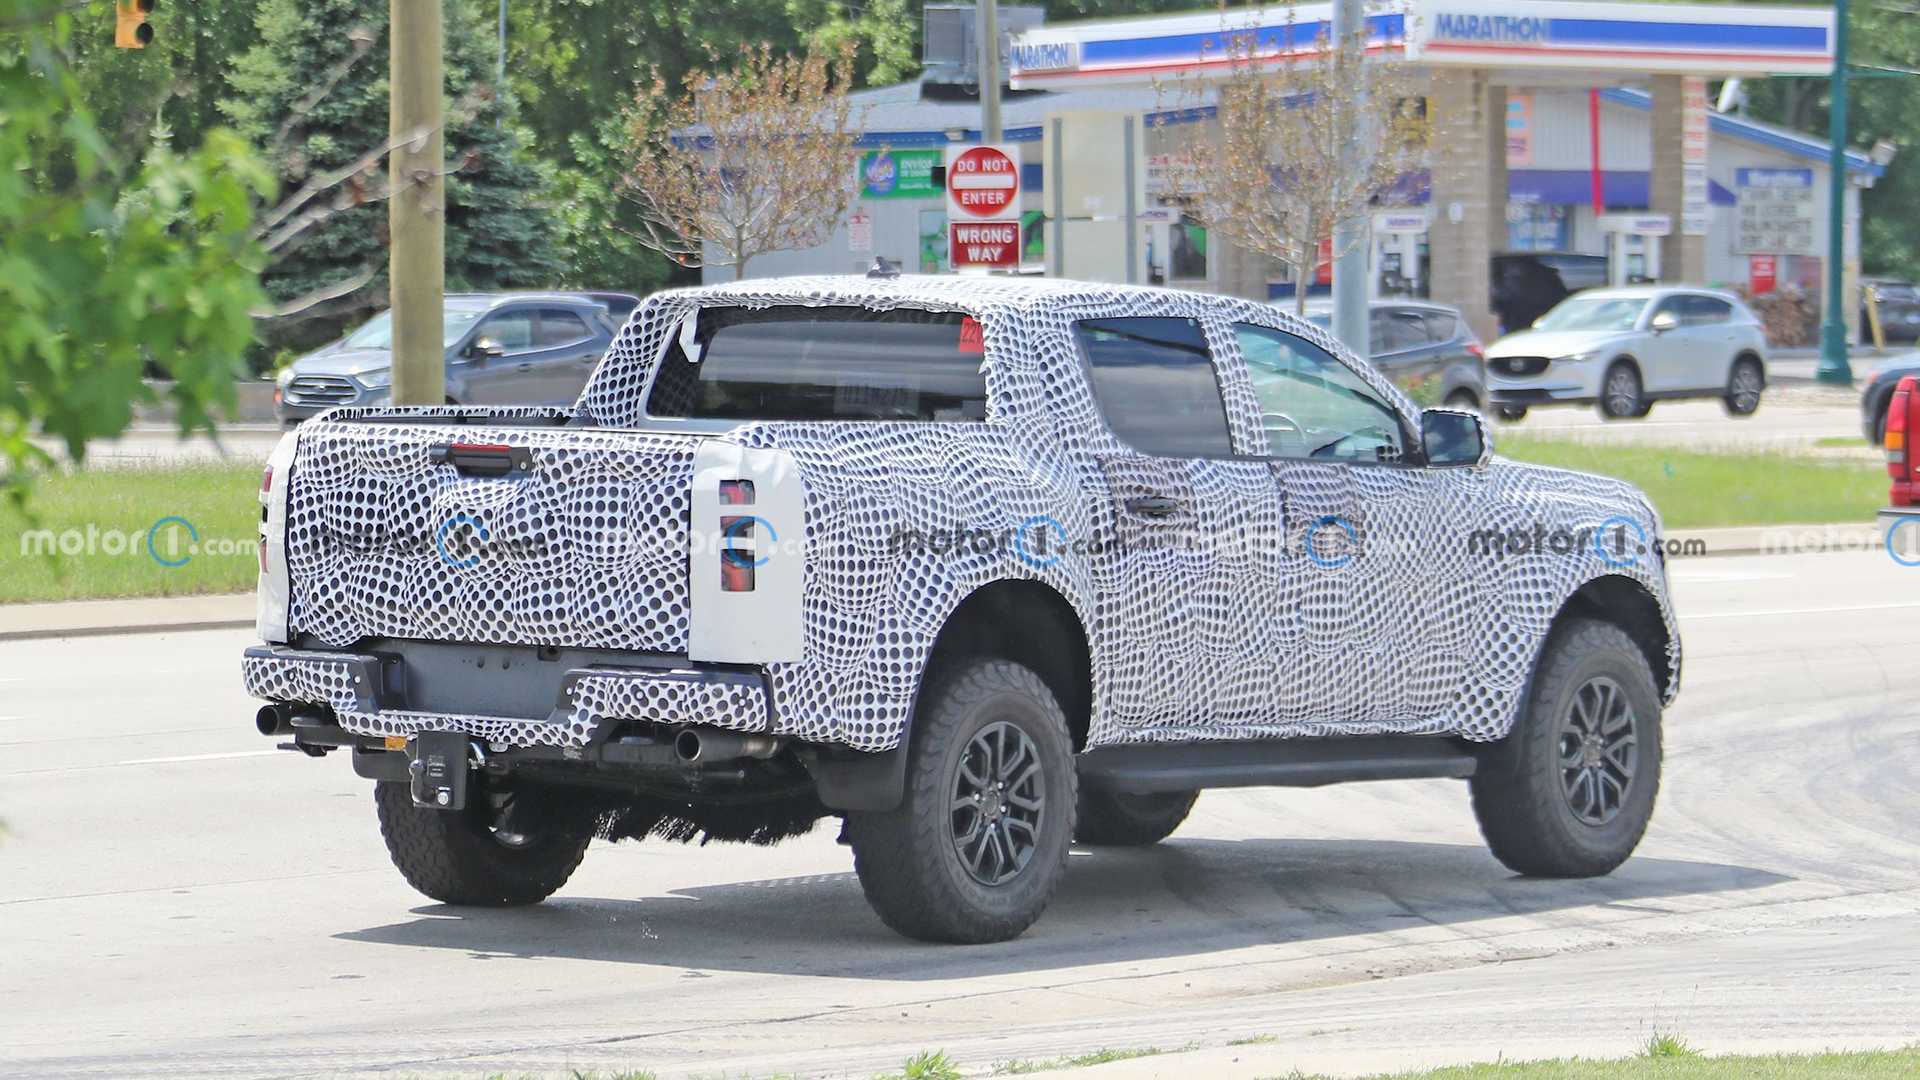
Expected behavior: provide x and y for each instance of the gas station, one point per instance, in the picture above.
(1567, 127)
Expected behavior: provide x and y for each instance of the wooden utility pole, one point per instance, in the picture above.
(416, 213)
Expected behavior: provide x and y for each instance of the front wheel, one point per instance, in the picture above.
(1621, 395)
(979, 841)
(1744, 384)
(479, 856)
(1569, 791)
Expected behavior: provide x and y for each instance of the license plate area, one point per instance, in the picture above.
(437, 766)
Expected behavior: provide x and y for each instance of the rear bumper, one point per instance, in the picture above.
(367, 694)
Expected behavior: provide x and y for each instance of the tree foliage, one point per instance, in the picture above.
(743, 160)
(313, 94)
(110, 266)
(1281, 163)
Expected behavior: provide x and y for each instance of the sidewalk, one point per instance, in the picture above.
(85, 618)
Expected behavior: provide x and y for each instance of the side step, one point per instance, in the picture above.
(1147, 768)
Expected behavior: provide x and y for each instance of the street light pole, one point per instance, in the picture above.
(1833, 329)
(1350, 239)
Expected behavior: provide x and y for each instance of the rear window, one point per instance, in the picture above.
(835, 363)
(1155, 384)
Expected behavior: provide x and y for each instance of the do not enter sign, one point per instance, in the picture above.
(983, 181)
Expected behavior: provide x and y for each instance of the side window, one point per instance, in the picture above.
(558, 326)
(1155, 383)
(1312, 405)
(512, 329)
(1403, 330)
(1705, 310)
(1441, 325)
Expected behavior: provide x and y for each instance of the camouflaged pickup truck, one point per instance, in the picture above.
(983, 567)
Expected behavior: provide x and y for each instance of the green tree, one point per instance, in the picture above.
(174, 83)
(108, 267)
(313, 92)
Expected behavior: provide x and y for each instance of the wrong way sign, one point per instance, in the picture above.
(988, 244)
(983, 181)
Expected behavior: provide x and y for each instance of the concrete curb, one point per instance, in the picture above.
(91, 618)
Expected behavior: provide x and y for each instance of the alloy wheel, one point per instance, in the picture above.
(998, 798)
(1598, 750)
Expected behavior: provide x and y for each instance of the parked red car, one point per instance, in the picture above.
(1903, 509)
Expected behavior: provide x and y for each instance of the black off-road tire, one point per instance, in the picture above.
(1115, 819)
(908, 859)
(454, 857)
(1519, 794)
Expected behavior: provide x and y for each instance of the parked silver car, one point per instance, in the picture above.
(502, 349)
(1627, 348)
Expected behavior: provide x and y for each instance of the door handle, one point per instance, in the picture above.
(1154, 506)
(526, 365)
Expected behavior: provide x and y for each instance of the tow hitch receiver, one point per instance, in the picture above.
(437, 763)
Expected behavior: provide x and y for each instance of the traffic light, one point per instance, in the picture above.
(131, 30)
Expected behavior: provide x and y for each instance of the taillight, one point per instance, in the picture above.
(266, 481)
(1903, 420)
(1479, 351)
(738, 556)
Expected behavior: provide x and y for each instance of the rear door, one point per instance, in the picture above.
(1154, 382)
(1405, 352)
(565, 349)
(1714, 339)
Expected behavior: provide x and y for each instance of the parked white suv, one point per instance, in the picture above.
(1627, 348)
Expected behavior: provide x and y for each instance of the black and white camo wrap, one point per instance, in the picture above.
(1242, 617)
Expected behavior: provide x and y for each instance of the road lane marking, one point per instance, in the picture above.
(195, 757)
(1797, 611)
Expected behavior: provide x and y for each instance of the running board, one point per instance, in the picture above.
(1146, 768)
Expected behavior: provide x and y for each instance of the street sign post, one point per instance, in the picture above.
(983, 181)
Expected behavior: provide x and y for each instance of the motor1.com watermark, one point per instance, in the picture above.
(171, 542)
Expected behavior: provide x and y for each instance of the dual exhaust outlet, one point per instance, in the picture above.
(691, 746)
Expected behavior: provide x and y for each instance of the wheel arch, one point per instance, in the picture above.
(1630, 605)
(1749, 354)
(1026, 621)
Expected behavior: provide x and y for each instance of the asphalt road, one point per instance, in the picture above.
(176, 898)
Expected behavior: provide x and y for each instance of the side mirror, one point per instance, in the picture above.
(486, 347)
(1663, 322)
(1453, 437)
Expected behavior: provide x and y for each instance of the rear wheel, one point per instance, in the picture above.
(1464, 401)
(1114, 819)
(1621, 395)
(1744, 385)
(477, 856)
(977, 845)
(1569, 791)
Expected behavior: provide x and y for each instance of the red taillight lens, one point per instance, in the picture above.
(736, 493)
(263, 555)
(1903, 422)
(1477, 349)
(266, 480)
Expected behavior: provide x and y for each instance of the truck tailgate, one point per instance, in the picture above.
(498, 534)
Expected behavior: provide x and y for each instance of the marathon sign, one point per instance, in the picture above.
(989, 245)
(1044, 56)
(1491, 27)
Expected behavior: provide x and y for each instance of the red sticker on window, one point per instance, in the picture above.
(970, 339)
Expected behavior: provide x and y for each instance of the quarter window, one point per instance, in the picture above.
(1314, 407)
(1156, 386)
(559, 326)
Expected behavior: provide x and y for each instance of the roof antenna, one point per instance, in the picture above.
(881, 268)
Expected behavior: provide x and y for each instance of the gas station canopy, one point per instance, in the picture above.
(1571, 37)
